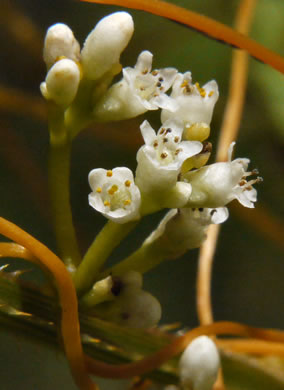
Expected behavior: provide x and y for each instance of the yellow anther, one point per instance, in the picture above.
(109, 173)
(127, 183)
(184, 84)
(127, 202)
(106, 203)
(99, 190)
(202, 92)
(113, 189)
(211, 93)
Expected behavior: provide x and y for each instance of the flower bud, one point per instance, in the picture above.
(60, 42)
(199, 364)
(61, 83)
(105, 43)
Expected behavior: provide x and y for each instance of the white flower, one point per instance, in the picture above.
(160, 159)
(105, 43)
(61, 83)
(199, 364)
(217, 184)
(195, 104)
(60, 42)
(140, 90)
(114, 194)
(184, 229)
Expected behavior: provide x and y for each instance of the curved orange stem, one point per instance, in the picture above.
(252, 346)
(177, 346)
(67, 296)
(202, 24)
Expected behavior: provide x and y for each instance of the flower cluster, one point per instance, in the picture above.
(171, 170)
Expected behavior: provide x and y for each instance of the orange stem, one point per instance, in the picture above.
(228, 133)
(67, 296)
(252, 346)
(39, 254)
(177, 346)
(202, 24)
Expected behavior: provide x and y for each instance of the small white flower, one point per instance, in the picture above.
(199, 364)
(114, 194)
(217, 184)
(61, 83)
(160, 159)
(105, 43)
(141, 89)
(60, 42)
(184, 229)
(195, 104)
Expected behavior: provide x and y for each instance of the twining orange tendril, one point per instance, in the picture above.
(252, 346)
(202, 24)
(11, 249)
(67, 297)
(228, 133)
(39, 254)
(177, 346)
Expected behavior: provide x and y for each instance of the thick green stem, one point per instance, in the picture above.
(105, 242)
(59, 174)
(142, 260)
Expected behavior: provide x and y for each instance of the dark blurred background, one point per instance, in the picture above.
(249, 266)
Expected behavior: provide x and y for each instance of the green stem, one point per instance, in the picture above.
(105, 242)
(59, 174)
(142, 260)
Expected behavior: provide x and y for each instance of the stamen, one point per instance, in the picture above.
(145, 71)
(211, 93)
(158, 84)
(113, 189)
(161, 79)
(162, 130)
(106, 203)
(169, 130)
(178, 151)
(99, 190)
(184, 84)
(155, 72)
(164, 155)
(127, 183)
(109, 173)
(127, 202)
(155, 144)
(165, 140)
(176, 139)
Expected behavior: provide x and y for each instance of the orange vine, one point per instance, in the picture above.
(203, 24)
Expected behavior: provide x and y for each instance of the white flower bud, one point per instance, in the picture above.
(60, 42)
(105, 43)
(199, 364)
(114, 194)
(61, 83)
(137, 309)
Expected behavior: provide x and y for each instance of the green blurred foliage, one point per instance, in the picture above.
(249, 269)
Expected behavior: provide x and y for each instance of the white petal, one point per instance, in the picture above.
(144, 61)
(148, 133)
(219, 215)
